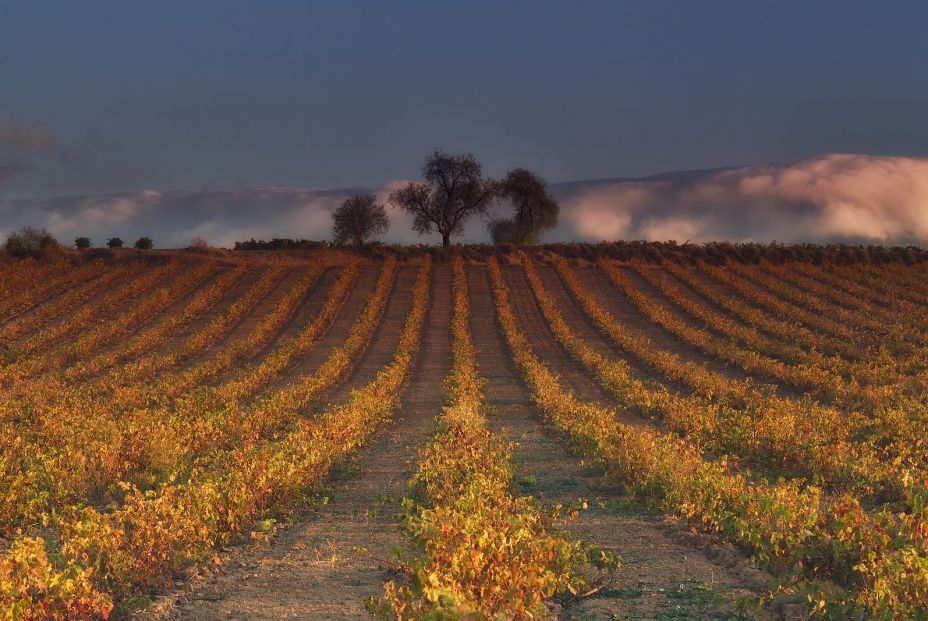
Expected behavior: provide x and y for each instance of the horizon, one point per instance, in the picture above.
(112, 101)
(605, 310)
(840, 198)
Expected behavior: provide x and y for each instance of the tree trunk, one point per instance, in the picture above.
(445, 239)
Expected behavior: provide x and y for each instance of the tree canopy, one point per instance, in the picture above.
(535, 210)
(358, 219)
(454, 189)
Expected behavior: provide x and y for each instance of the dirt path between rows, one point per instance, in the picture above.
(757, 287)
(50, 294)
(545, 345)
(327, 564)
(266, 304)
(722, 290)
(387, 336)
(581, 325)
(225, 301)
(668, 573)
(614, 300)
(304, 312)
(804, 283)
(335, 334)
(176, 306)
(59, 318)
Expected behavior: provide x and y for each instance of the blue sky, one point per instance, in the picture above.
(226, 119)
(177, 95)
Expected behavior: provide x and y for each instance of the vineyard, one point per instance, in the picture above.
(538, 434)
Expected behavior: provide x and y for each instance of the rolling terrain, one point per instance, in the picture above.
(527, 434)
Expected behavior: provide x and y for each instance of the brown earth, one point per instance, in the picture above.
(335, 334)
(665, 576)
(609, 295)
(327, 564)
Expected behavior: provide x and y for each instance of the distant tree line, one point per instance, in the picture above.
(39, 243)
(748, 252)
(710, 252)
(32, 242)
(454, 189)
(280, 244)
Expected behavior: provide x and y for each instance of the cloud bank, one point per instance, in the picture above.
(854, 198)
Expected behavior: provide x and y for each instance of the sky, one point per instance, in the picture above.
(216, 100)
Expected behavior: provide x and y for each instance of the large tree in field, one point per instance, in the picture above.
(454, 189)
(535, 210)
(358, 219)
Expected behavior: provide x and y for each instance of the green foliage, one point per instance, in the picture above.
(30, 242)
(34, 587)
(488, 554)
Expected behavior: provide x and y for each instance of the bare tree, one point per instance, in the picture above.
(359, 218)
(454, 189)
(535, 210)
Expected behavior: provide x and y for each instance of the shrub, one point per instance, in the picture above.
(82, 243)
(30, 242)
(279, 244)
(144, 243)
(201, 246)
(114, 242)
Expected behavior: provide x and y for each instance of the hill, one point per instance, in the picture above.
(314, 433)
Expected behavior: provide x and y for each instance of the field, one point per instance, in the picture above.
(521, 435)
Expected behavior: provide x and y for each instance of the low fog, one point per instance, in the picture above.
(851, 198)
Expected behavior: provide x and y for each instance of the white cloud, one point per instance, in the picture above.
(833, 197)
(829, 198)
(680, 228)
(606, 212)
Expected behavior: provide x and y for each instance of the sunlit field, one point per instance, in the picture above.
(575, 431)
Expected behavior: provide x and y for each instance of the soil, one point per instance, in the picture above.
(266, 304)
(581, 325)
(327, 564)
(304, 312)
(609, 295)
(667, 574)
(335, 334)
(233, 293)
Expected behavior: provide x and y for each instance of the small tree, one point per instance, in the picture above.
(358, 219)
(114, 242)
(535, 210)
(82, 243)
(30, 242)
(144, 243)
(454, 189)
(198, 244)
